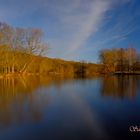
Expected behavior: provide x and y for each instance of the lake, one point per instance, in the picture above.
(48, 108)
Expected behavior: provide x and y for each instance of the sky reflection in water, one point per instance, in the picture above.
(53, 108)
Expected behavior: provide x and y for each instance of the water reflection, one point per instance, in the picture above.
(19, 101)
(70, 108)
(123, 86)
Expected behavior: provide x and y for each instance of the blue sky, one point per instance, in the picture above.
(77, 29)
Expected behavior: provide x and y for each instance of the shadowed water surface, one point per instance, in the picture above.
(48, 108)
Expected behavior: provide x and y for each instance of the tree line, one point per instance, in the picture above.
(23, 51)
(119, 60)
(18, 46)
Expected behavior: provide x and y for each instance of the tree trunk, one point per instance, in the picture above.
(13, 69)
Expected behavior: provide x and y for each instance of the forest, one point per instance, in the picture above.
(23, 52)
(120, 61)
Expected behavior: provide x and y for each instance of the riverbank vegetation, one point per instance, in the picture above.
(23, 52)
(120, 61)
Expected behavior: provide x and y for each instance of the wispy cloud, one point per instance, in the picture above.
(117, 27)
(79, 19)
(15, 9)
(73, 27)
(89, 23)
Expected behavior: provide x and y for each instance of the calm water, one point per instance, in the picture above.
(45, 108)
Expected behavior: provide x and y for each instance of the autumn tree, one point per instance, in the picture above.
(131, 57)
(107, 60)
(117, 59)
(19, 47)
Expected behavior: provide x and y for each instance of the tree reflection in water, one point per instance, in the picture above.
(122, 86)
(20, 101)
(44, 105)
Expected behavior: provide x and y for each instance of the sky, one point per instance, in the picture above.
(77, 29)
